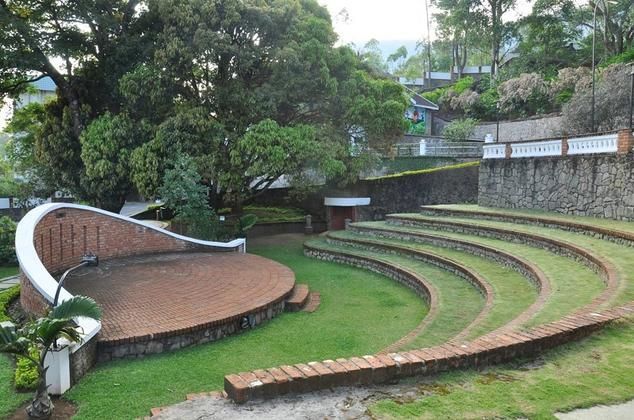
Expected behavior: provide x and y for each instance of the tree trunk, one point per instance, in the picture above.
(41, 407)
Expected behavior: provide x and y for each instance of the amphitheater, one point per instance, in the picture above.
(499, 285)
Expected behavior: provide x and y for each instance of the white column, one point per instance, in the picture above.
(58, 373)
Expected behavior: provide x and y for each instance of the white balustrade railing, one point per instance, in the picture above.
(494, 151)
(536, 149)
(606, 143)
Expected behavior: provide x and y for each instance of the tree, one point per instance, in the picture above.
(492, 13)
(260, 91)
(43, 334)
(458, 22)
(372, 56)
(547, 38)
(398, 57)
(106, 146)
(618, 25)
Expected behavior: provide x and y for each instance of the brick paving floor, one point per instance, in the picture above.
(160, 293)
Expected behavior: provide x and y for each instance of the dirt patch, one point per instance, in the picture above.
(64, 410)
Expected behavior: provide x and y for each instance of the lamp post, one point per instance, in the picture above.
(631, 95)
(594, 36)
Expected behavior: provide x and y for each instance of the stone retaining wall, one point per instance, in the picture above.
(584, 185)
(135, 347)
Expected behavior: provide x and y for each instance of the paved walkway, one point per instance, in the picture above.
(623, 411)
(170, 292)
(9, 282)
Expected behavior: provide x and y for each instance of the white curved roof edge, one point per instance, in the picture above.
(43, 281)
(346, 201)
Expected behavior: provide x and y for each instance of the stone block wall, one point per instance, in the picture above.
(527, 129)
(406, 193)
(584, 185)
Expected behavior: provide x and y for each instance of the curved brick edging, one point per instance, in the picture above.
(413, 280)
(613, 235)
(382, 368)
(475, 279)
(605, 269)
(521, 265)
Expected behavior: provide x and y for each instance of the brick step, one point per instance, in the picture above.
(298, 298)
(314, 299)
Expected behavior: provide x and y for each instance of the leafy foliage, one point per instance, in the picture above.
(460, 130)
(612, 95)
(7, 241)
(26, 376)
(6, 297)
(183, 193)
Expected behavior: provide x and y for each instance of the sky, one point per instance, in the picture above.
(394, 20)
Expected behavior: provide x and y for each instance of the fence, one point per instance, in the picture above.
(440, 148)
(617, 142)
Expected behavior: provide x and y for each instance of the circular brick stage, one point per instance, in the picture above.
(162, 302)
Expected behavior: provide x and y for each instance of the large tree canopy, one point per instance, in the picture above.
(250, 89)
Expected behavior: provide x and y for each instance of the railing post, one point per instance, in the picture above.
(422, 148)
(625, 141)
(508, 151)
(564, 146)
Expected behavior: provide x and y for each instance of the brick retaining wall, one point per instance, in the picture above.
(382, 368)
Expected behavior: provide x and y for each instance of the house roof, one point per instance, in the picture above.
(418, 100)
(45, 84)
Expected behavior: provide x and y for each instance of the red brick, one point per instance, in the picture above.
(354, 372)
(269, 385)
(282, 380)
(236, 388)
(419, 362)
(390, 365)
(298, 380)
(254, 383)
(379, 371)
(365, 370)
(326, 376)
(311, 378)
(403, 364)
(339, 372)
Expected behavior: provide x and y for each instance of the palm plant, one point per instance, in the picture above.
(43, 334)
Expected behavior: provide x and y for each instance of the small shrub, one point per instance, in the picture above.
(6, 298)
(7, 241)
(26, 374)
(460, 130)
(463, 84)
(524, 95)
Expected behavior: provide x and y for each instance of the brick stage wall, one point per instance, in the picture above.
(64, 235)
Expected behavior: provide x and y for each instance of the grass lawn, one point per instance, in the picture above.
(619, 255)
(459, 303)
(572, 285)
(513, 292)
(594, 221)
(597, 370)
(360, 313)
(8, 271)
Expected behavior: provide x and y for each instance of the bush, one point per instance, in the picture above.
(7, 241)
(463, 84)
(460, 130)
(435, 95)
(26, 374)
(6, 297)
(524, 95)
(612, 96)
